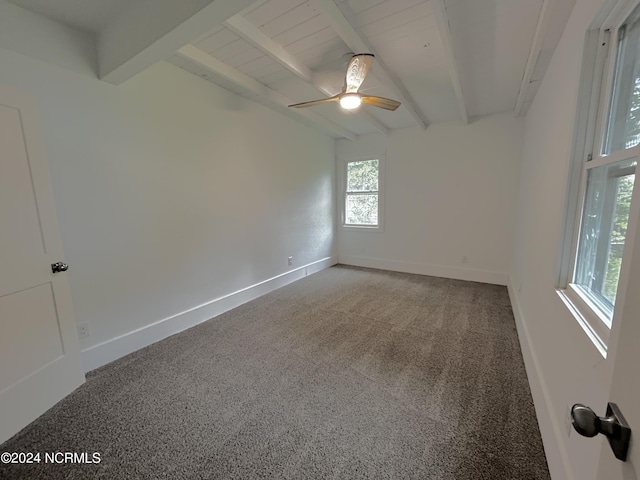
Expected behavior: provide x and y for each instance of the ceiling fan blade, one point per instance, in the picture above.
(357, 70)
(380, 102)
(315, 102)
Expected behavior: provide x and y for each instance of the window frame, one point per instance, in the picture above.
(593, 114)
(344, 162)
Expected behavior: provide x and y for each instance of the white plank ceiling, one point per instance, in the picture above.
(445, 60)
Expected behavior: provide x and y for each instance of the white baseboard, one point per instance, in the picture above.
(105, 352)
(550, 428)
(484, 276)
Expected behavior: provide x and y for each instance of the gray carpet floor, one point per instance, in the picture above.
(349, 373)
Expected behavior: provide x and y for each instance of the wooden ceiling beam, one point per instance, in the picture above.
(266, 94)
(358, 44)
(444, 28)
(132, 43)
(252, 34)
(534, 53)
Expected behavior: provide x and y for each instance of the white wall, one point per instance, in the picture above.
(450, 192)
(38, 37)
(563, 366)
(172, 192)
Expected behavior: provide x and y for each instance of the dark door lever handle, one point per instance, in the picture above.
(613, 426)
(59, 267)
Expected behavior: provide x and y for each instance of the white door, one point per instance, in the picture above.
(39, 354)
(625, 354)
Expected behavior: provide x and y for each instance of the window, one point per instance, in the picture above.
(602, 233)
(362, 196)
(607, 166)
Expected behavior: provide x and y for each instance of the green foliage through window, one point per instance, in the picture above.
(618, 235)
(361, 199)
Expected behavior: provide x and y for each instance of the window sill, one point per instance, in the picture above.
(587, 318)
(362, 228)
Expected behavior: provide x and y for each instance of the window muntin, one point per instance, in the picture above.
(362, 194)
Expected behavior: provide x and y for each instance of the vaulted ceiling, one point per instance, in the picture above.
(443, 59)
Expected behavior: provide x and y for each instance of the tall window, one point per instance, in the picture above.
(607, 176)
(362, 203)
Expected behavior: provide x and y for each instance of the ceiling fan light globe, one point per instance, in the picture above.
(350, 102)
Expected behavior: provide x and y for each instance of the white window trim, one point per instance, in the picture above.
(594, 94)
(343, 161)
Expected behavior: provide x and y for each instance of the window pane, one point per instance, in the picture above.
(624, 117)
(362, 176)
(603, 232)
(361, 210)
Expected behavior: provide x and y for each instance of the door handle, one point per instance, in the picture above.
(613, 426)
(59, 267)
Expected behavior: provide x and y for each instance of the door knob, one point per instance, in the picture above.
(613, 426)
(59, 267)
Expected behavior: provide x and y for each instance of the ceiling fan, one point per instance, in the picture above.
(350, 98)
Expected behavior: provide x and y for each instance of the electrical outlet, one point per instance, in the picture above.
(290, 261)
(83, 330)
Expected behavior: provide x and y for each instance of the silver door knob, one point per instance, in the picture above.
(613, 426)
(59, 267)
